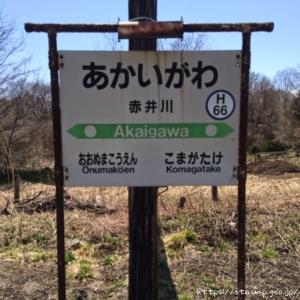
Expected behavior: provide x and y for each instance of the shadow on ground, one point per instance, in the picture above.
(166, 286)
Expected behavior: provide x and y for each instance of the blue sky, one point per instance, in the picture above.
(271, 52)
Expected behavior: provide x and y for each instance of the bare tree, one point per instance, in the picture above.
(287, 83)
(295, 109)
(190, 42)
(288, 80)
(263, 120)
(25, 127)
(112, 43)
(12, 70)
(11, 67)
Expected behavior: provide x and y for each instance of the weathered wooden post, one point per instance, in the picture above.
(214, 193)
(142, 204)
(17, 187)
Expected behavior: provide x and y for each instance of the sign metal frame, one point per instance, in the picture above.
(245, 28)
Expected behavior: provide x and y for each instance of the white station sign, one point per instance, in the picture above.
(148, 118)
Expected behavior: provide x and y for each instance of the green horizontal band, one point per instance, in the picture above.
(150, 131)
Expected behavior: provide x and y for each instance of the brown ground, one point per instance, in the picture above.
(270, 167)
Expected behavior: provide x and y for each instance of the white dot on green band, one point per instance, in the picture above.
(90, 131)
(211, 130)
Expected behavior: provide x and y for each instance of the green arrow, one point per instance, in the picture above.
(150, 131)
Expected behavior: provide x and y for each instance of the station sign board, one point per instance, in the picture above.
(146, 118)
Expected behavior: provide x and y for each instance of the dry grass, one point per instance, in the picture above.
(97, 245)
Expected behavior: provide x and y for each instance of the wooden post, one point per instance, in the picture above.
(214, 193)
(17, 187)
(143, 227)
